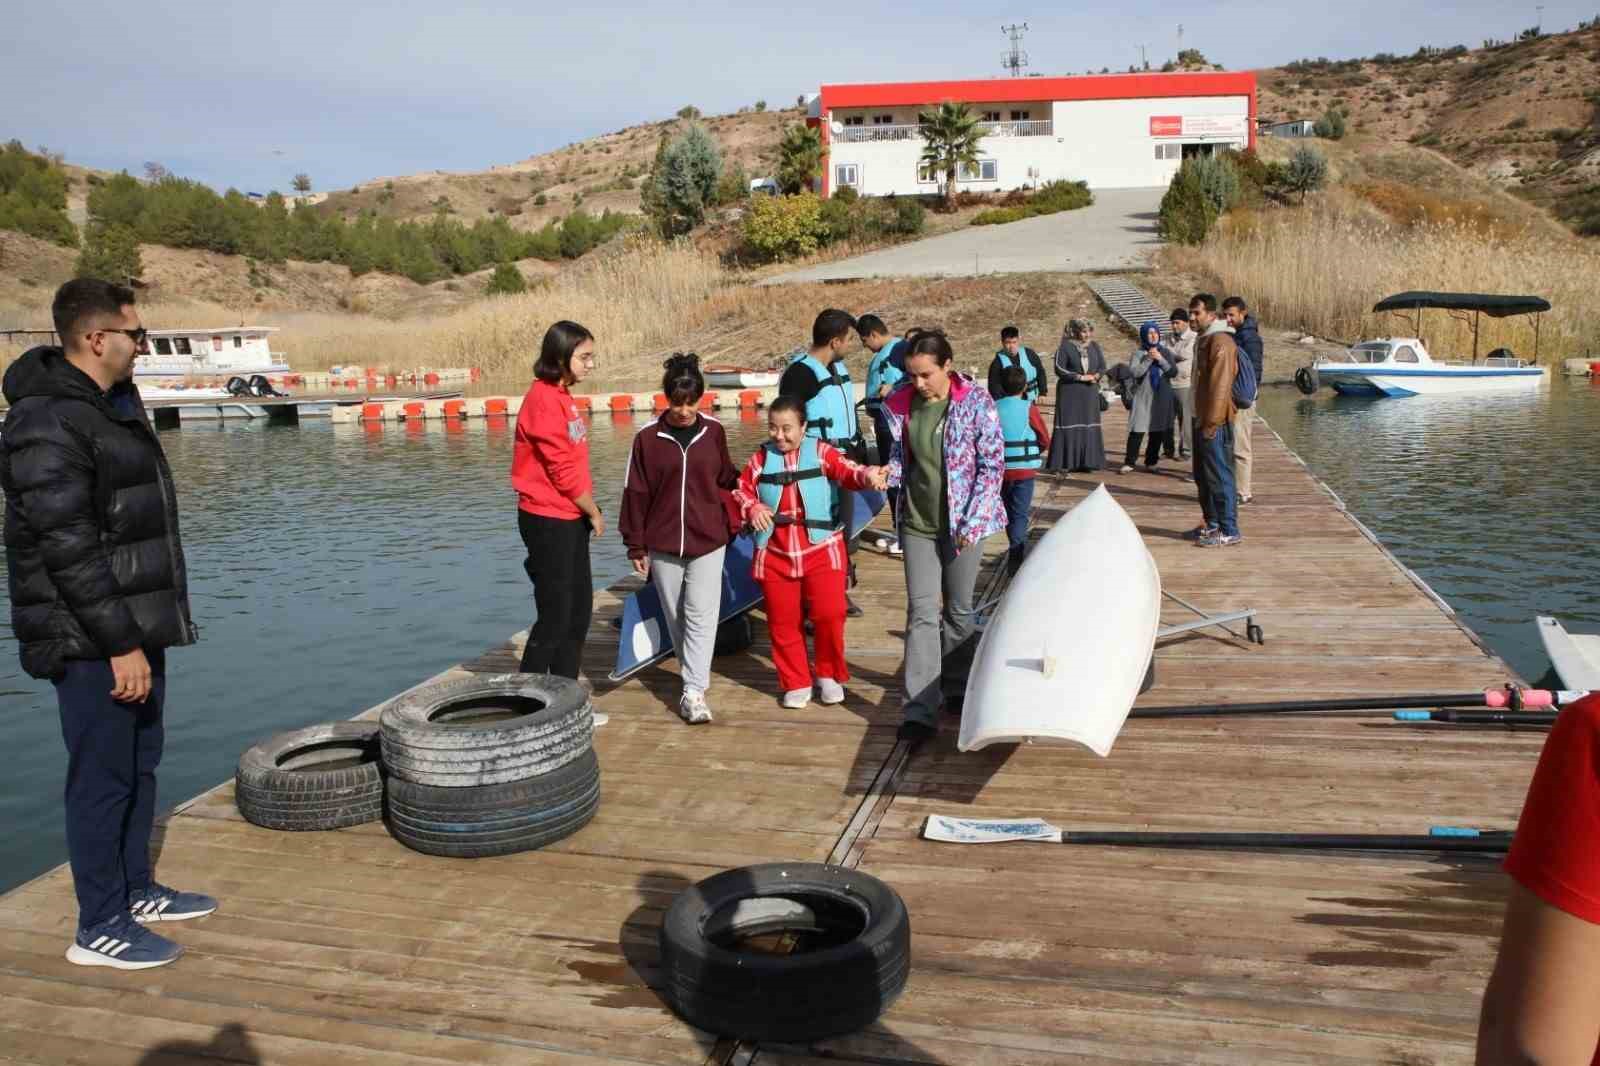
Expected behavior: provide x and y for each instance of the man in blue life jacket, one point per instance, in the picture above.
(1014, 353)
(885, 370)
(821, 380)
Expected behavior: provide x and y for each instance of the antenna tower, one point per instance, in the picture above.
(1015, 59)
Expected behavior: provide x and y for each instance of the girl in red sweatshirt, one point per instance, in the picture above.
(786, 497)
(675, 526)
(556, 512)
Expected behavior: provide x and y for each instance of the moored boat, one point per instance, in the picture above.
(725, 376)
(208, 353)
(1575, 656)
(1068, 647)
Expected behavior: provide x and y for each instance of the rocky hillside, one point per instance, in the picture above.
(1524, 115)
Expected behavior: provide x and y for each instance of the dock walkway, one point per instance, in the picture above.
(347, 948)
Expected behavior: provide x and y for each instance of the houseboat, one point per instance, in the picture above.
(210, 353)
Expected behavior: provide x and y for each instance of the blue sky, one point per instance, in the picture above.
(349, 90)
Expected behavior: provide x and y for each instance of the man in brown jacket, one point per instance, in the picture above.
(1216, 363)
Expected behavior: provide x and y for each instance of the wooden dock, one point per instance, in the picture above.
(345, 948)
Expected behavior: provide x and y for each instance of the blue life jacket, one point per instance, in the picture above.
(818, 495)
(831, 413)
(886, 368)
(1021, 359)
(1022, 446)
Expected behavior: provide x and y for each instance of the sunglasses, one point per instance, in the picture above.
(137, 336)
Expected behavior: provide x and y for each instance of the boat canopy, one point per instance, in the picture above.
(1491, 304)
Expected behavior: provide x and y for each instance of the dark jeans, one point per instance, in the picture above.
(1152, 451)
(1018, 498)
(563, 593)
(112, 753)
(1213, 479)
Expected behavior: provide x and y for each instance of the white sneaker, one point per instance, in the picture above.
(692, 707)
(829, 690)
(895, 549)
(1125, 469)
(796, 698)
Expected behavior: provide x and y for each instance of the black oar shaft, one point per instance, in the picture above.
(1539, 718)
(1489, 841)
(1359, 703)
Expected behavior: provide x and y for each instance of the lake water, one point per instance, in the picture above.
(332, 566)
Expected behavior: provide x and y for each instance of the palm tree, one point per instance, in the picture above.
(799, 158)
(950, 138)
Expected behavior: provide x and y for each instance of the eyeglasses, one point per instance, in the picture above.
(137, 336)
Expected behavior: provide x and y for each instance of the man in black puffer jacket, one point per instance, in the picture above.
(98, 592)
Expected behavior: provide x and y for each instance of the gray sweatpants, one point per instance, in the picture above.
(934, 571)
(691, 598)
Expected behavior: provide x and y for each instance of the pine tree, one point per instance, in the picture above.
(110, 253)
(507, 280)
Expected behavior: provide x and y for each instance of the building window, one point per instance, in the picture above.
(182, 345)
(847, 175)
(991, 116)
(238, 341)
(883, 120)
(1169, 151)
(926, 173)
(986, 170)
(1021, 116)
(855, 120)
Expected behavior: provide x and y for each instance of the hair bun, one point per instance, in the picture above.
(681, 361)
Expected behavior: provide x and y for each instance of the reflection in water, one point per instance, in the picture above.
(330, 567)
(1492, 500)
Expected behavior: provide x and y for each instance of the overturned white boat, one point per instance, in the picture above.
(1069, 645)
(1575, 656)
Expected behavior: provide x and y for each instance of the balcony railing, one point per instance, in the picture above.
(864, 134)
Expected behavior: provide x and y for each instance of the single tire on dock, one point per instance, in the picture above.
(850, 957)
(485, 820)
(486, 730)
(319, 777)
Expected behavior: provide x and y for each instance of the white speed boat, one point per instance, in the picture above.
(722, 376)
(1070, 643)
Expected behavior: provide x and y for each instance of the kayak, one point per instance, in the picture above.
(1065, 653)
(645, 639)
(1576, 656)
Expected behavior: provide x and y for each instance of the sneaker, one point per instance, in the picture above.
(122, 944)
(895, 549)
(851, 609)
(1220, 540)
(915, 731)
(1201, 532)
(829, 690)
(1246, 499)
(1126, 469)
(796, 698)
(158, 903)
(692, 707)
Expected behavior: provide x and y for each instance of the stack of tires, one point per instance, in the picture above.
(490, 765)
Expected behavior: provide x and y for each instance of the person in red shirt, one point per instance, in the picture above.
(556, 512)
(1542, 1004)
(675, 525)
(785, 495)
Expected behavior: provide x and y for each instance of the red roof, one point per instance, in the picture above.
(1019, 90)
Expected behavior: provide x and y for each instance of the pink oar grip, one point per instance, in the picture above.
(1532, 698)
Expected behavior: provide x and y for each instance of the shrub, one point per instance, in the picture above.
(732, 187)
(761, 105)
(781, 227)
(1219, 180)
(909, 215)
(33, 196)
(540, 200)
(1332, 125)
(688, 112)
(1186, 214)
(846, 195)
(997, 216)
(506, 280)
(1051, 198)
(1307, 171)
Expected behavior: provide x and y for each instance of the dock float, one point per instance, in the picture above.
(347, 948)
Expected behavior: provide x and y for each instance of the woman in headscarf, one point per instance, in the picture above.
(1154, 404)
(1076, 443)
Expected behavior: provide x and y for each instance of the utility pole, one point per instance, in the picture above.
(1015, 59)
(1180, 43)
(1144, 60)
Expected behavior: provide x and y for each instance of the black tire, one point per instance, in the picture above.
(551, 724)
(495, 819)
(734, 636)
(853, 957)
(319, 777)
(237, 386)
(1307, 380)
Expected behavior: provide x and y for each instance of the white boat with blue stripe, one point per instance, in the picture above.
(1402, 366)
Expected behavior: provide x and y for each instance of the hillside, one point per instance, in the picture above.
(1522, 115)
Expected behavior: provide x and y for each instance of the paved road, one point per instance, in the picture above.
(1115, 232)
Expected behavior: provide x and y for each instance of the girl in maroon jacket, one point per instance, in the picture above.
(675, 525)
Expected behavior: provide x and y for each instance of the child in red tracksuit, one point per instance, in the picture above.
(800, 552)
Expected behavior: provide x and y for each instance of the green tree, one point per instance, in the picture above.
(780, 227)
(33, 196)
(684, 180)
(1186, 214)
(950, 139)
(301, 184)
(1307, 171)
(799, 158)
(689, 112)
(733, 186)
(507, 280)
(1331, 126)
(761, 105)
(110, 253)
(1219, 180)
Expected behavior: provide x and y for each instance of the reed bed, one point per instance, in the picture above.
(1320, 268)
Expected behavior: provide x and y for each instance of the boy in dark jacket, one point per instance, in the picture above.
(1247, 337)
(99, 591)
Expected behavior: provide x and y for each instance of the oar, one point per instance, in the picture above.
(1510, 697)
(1439, 838)
(1478, 717)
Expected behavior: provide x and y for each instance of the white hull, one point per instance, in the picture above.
(1576, 656)
(1435, 381)
(1067, 649)
(741, 379)
(188, 368)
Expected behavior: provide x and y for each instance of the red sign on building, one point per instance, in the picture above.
(1166, 125)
